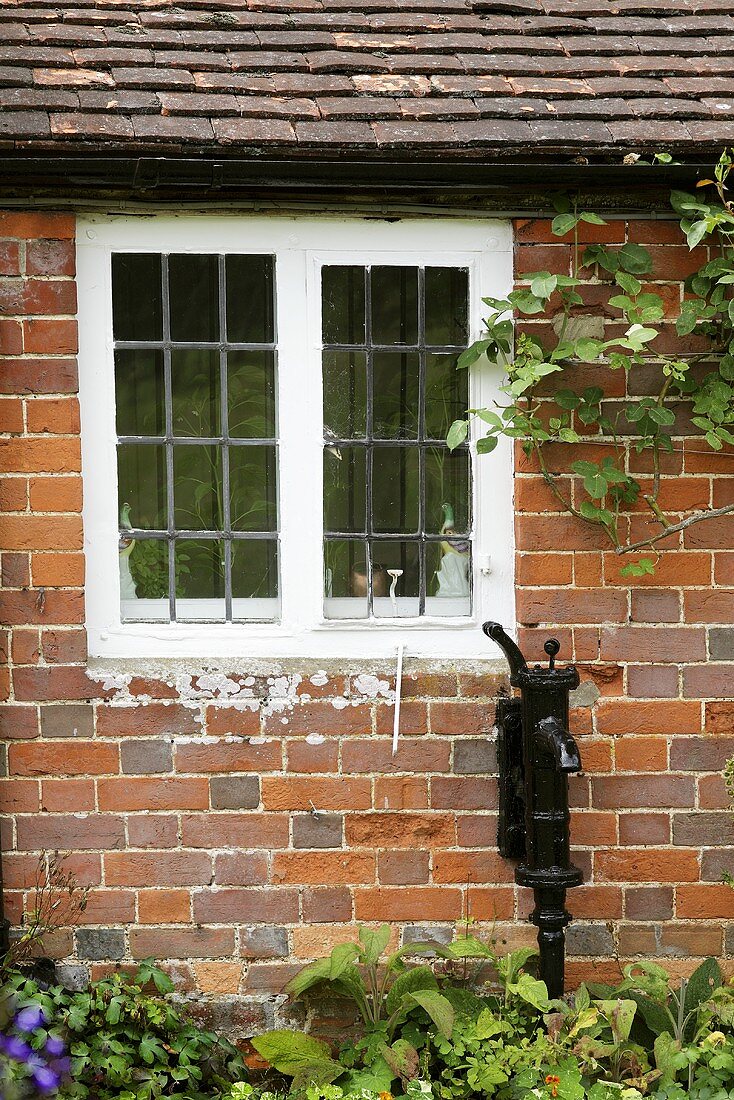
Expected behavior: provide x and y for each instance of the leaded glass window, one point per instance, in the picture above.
(196, 420)
(397, 502)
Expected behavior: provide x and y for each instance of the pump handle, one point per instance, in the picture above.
(514, 656)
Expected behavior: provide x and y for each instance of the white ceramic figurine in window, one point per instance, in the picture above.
(453, 576)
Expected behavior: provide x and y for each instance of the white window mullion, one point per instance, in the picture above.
(299, 433)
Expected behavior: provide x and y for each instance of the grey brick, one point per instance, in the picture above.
(317, 831)
(146, 757)
(263, 942)
(721, 643)
(420, 933)
(716, 863)
(475, 756)
(235, 792)
(100, 943)
(694, 829)
(72, 976)
(589, 939)
(67, 720)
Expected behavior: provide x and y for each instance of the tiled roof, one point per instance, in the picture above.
(442, 78)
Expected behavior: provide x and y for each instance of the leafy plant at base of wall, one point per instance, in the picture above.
(128, 1041)
(386, 993)
(605, 489)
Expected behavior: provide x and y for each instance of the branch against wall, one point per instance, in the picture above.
(603, 492)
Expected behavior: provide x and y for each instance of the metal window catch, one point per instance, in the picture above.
(536, 754)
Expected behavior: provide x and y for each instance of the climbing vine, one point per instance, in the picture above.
(605, 491)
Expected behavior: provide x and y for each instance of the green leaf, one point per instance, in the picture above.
(437, 1007)
(467, 947)
(342, 957)
(567, 399)
(488, 417)
(419, 977)
(310, 976)
(701, 984)
(298, 1055)
(402, 1058)
(532, 991)
(635, 259)
(591, 219)
(621, 1014)
(473, 352)
(563, 224)
(642, 568)
(486, 444)
(457, 433)
(543, 285)
(696, 233)
(374, 940)
(628, 283)
(665, 1049)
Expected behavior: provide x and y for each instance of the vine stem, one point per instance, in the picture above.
(675, 527)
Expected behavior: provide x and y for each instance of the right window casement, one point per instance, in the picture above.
(397, 502)
(265, 405)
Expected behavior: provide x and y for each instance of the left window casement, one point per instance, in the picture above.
(196, 428)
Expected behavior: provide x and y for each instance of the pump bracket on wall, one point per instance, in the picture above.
(511, 821)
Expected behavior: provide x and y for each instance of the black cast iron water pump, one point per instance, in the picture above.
(536, 754)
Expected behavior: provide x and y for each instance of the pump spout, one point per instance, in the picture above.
(560, 745)
(515, 659)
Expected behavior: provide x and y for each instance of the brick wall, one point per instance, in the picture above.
(235, 825)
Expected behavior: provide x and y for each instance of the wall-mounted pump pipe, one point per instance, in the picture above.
(536, 754)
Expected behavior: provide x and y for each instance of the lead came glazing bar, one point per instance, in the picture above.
(168, 409)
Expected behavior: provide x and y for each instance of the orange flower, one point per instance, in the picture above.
(554, 1082)
(385, 1096)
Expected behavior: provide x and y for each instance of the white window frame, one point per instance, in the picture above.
(300, 247)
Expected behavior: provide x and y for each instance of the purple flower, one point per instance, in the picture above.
(15, 1048)
(30, 1018)
(54, 1046)
(45, 1079)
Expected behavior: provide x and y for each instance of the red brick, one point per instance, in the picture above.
(644, 828)
(32, 225)
(157, 868)
(50, 337)
(301, 868)
(54, 758)
(56, 494)
(323, 718)
(490, 904)
(461, 867)
(182, 943)
(19, 796)
(212, 830)
(401, 793)
(40, 455)
(221, 721)
(404, 902)
(157, 830)
(26, 647)
(13, 494)
(11, 341)
(149, 720)
(641, 754)
(305, 757)
(704, 902)
(70, 832)
(42, 533)
(652, 681)
(413, 718)
(662, 644)
(373, 756)
(16, 571)
(18, 722)
(58, 570)
(612, 791)
(583, 605)
(227, 757)
(463, 792)
(241, 869)
(621, 716)
(466, 719)
(164, 906)
(400, 830)
(50, 257)
(55, 683)
(326, 905)
(11, 415)
(646, 865)
(403, 868)
(278, 906)
(538, 570)
(69, 795)
(296, 793)
(9, 258)
(161, 793)
(34, 375)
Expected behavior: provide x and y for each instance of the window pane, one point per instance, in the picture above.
(200, 572)
(195, 392)
(448, 568)
(252, 488)
(447, 306)
(395, 490)
(254, 568)
(447, 394)
(344, 489)
(345, 394)
(194, 297)
(343, 306)
(197, 487)
(250, 299)
(395, 395)
(139, 392)
(141, 478)
(447, 491)
(394, 305)
(146, 575)
(396, 578)
(251, 394)
(137, 311)
(345, 578)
